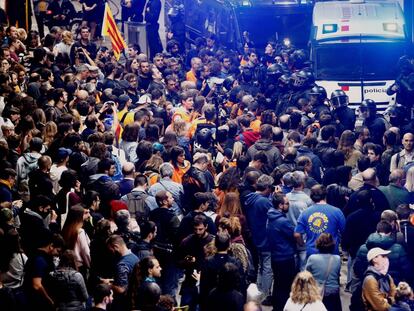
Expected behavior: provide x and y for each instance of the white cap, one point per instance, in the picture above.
(376, 251)
(144, 99)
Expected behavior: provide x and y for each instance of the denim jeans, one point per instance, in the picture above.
(169, 279)
(264, 275)
(189, 297)
(301, 259)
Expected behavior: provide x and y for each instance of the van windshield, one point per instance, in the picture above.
(367, 61)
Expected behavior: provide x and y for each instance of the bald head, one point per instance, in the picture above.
(82, 94)
(370, 176)
(252, 306)
(408, 141)
(284, 121)
(397, 176)
(128, 169)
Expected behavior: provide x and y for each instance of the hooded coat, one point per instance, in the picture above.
(280, 235)
(272, 154)
(400, 267)
(256, 208)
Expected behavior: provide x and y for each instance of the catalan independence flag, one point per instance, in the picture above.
(110, 30)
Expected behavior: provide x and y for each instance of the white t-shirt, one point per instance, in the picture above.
(315, 306)
(55, 174)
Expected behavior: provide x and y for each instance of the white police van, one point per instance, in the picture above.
(355, 46)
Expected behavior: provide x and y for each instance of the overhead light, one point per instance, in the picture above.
(246, 3)
(329, 28)
(391, 27)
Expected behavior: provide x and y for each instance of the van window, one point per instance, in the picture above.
(336, 62)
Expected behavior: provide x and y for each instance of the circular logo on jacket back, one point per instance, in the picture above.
(318, 222)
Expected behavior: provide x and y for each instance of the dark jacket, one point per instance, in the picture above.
(272, 153)
(316, 162)
(40, 184)
(125, 186)
(359, 225)
(379, 199)
(256, 208)
(194, 180)
(65, 8)
(323, 150)
(395, 195)
(187, 228)
(377, 126)
(167, 226)
(68, 289)
(400, 267)
(5, 193)
(280, 230)
(89, 168)
(407, 229)
(108, 190)
(209, 275)
(142, 249)
(345, 118)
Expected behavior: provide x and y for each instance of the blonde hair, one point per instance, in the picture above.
(67, 37)
(22, 34)
(154, 163)
(305, 289)
(180, 127)
(403, 290)
(409, 181)
(49, 132)
(237, 150)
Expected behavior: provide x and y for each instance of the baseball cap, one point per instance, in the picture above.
(376, 251)
(123, 99)
(157, 147)
(63, 153)
(92, 68)
(82, 68)
(144, 99)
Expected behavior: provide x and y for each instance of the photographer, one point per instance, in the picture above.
(61, 13)
(204, 201)
(191, 258)
(404, 84)
(84, 49)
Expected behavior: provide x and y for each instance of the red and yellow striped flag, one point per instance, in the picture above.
(110, 29)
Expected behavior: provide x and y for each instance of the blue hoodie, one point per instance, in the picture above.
(256, 208)
(280, 230)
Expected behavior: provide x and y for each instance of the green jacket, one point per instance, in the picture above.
(395, 195)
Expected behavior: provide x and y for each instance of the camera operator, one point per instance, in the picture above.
(404, 84)
(61, 12)
(84, 48)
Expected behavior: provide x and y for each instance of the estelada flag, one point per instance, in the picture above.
(110, 30)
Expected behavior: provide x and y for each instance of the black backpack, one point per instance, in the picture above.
(137, 206)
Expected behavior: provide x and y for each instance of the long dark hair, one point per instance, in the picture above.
(138, 276)
(10, 245)
(175, 152)
(73, 223)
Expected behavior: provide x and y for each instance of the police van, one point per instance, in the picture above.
(355, 47)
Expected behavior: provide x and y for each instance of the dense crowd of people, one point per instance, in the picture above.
(210, 179)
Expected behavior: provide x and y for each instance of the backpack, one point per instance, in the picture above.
(137, 207)
(118, 168)
(357, 304)
(152, 177)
